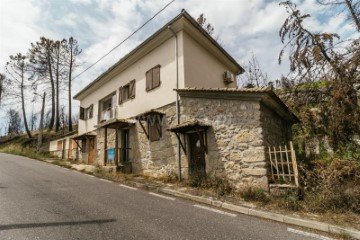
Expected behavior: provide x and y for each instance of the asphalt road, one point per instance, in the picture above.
(43, 201)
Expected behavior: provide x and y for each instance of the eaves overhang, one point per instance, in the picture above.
(264, 95)
(183, 21)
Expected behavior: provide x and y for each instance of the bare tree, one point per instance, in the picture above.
(254, 75)
(72, 51)
(41, 125)
(41, 58)
(2, 87)
(350, 7)
(33, 120)
(17, 69)
(14, 125)
(324, 56)
(208, 27)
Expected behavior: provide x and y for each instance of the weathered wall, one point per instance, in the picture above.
(276, 131)
(241, 130)
(157, 158)
(235, 142)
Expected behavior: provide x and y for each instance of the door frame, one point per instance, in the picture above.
(91, 150)
(202, 137)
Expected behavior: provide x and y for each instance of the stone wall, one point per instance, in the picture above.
(156, 158)
(235, 142)
(276, 131)
(237, 139)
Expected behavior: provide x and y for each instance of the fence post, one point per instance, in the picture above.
(294, 163)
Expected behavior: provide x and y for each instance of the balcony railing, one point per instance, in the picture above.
(108, 114)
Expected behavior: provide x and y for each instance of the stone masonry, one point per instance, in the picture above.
(240, 132)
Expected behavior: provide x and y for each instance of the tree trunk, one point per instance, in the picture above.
(70, 71)
(52, 119)
(354, 16)
(41, 126)
(57, 121)
(23, 104)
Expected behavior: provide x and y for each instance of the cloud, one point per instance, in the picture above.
(17, 27)
(242, 26)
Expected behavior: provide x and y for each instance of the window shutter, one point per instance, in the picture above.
(82, 113)
(120, 95)
(154, 133)
(91, 110)
(132, 89)
(149, 77)
(156, 77)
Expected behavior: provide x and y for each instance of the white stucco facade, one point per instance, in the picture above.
(199, 64)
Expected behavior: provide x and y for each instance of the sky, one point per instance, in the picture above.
(244, 27)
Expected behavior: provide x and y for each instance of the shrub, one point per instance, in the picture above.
(331, 186)
(254, 194)
(220, 185)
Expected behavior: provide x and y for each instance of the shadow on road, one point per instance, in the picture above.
(53, 224)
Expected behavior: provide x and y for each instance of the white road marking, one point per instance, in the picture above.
(313, 235)
(162, 196)
(105, 180)
(125, 186)
(216, 210)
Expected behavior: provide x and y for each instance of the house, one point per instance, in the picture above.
(171, 107)
(65, 147)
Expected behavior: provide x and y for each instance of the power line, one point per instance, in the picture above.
(127, 38)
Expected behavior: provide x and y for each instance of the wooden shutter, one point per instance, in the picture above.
(120, 95)
(91, 110)
(149, 77)
(154, 133)
(156, 77)
(82, 113)
(132, 89)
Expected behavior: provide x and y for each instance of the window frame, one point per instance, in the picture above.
(101, 102)
(129, 89)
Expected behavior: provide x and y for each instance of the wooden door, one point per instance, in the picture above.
(125, 146)
(196, 156)
(91, 150)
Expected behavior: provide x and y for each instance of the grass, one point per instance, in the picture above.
(17, 149)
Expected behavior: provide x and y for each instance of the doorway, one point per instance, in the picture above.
(125, 145)
(91, 150)
(197, 166)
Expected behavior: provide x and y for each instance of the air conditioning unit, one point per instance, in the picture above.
(228, 77)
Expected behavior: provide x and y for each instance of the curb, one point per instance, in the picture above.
(262, 214)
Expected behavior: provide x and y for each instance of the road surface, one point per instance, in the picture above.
(43, 201)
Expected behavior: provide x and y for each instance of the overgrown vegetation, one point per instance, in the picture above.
(331, 186)
(219, 185)
(321, 56)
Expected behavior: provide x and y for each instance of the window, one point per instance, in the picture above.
(127, 92)
(154, 128)
(107, 108)
(153, 78)
(88, 113)
(82, 113)
(59, 145)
